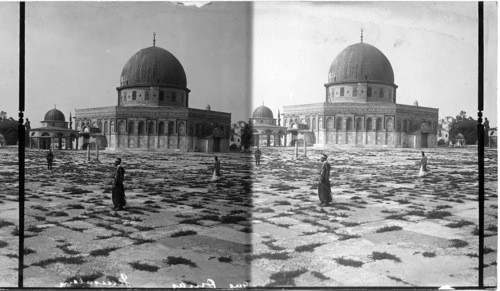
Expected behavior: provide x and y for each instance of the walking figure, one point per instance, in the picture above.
(423, 165)
(118, 193)
(257, 156)
(216, 175)
(324, 188)
(50, 159)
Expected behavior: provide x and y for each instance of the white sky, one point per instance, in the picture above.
(76, 51)
(432, 48)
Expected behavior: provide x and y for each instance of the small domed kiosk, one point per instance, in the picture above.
(360, 108)
(264, 127)
(152, 110)
(54, 132)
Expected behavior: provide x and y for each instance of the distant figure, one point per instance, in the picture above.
(324, 191)
(486, 125)
(423, 165)
(216, 175)
(257, 156)
(118, 193)
(50, 159)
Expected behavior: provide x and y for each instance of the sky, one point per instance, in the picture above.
(238, 56)
(75, 52)
(9, 58)
(432, 48)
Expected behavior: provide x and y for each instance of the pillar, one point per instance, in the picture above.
(297, 147)
(77, 143)
(305, 146)
(88, 151)
(96, 150)
(285, 140)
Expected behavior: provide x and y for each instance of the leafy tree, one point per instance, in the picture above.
(246, 137)
(467, 126)
(8, 129)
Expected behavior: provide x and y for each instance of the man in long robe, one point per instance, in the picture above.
(118, 193)
(216, 175)
(423, 165)
(50, 159)
(324, 188)
(257, 156)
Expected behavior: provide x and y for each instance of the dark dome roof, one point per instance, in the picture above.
(153, 66)
(262, 112)
(360, 62)
(54, 115)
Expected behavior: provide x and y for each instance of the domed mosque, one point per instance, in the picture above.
(264, 127)
(152, 110)
(54, 132)
(360, 107)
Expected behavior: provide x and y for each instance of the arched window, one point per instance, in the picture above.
(182, 128)
(105, 127)
(389, 124)
(355, 91)
(341, 91)
(78, 126)
(161, 128)
(405, 125)
(122, 127)
(359, 123)
(141, 127)
(151, 127)
(314, 124)
(308, 122)
(134, 95)
(99, 125)
(320, 123)
(146, 95)
(131, 126)
(369, 92)
(162, 96)
(369, 124)
(349, 123)
(338, 124)
(170, 128)
(112, 125)
(379, 123)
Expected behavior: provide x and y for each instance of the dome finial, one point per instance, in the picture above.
(154, 38)
(361, 35)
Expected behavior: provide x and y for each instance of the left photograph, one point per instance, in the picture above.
(135, 174)
(9, 162)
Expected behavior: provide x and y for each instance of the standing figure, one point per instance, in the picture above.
(118, 193)
(50, 159)
(324, 191)
(257, 156)
(423, 165)
(216, 175)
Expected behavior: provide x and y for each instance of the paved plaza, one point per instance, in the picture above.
(385, 227)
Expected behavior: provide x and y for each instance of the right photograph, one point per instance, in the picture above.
(365, 144)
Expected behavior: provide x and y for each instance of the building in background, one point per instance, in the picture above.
(265, 131)
(360, 107)
(54, 132)
(444, 127)
(152, 110)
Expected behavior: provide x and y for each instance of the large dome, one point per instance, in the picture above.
(54, 115)
(153, 66)
(262, 112)
(361, 62)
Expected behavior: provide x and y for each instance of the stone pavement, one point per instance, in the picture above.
(9, 217)
(385, 227)
(178, 227)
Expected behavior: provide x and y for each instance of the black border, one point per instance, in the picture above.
(480, 145)
(21, 135)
